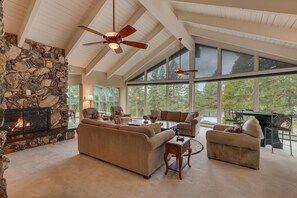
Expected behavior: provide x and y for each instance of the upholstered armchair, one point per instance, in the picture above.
(91, 113)
(238, 148)
(118, 115)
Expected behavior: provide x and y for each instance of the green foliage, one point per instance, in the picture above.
(206, 101)
(178, 95)
(73, 96)
(278, 94)
(136, 100)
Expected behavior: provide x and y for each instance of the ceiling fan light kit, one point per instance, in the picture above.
(114, 39)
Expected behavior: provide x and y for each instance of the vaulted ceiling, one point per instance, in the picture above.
(267, 26)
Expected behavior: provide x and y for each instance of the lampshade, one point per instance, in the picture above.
(89, 97)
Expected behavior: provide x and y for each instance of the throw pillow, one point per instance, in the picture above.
(190, 117)
(95, 116)
(236, 129)
(156, 127)
(252, 127)
(156, 113)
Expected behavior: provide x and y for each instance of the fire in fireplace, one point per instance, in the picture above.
(20, 124)
(22, 121)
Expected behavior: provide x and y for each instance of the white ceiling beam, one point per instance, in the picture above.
(136, 16)
(75, 70)
(112, 71)
(149, 57)
(253, 45)
(162, 11)
(88, 21)
(275, 32)
(28, 21)
(283, 6)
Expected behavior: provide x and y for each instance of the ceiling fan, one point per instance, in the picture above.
(179, 71)
(114, 39)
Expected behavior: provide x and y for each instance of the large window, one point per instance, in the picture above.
(136, 100)
(235, 63)
(237, 94)
(278, 94)
(158, 72)
(206, 61)
(105, 97)
(206, 101)
(73, 102)
(156, 97)
(178, 97)
(174, 64)
(267, 64)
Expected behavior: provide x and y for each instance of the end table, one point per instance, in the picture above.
(177, 147)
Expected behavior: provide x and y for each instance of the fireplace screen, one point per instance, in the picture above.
(19, 121)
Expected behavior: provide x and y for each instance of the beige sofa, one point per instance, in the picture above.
(188, 127)
(238, 148)
(136, 148)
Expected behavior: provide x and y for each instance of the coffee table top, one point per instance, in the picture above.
(165, 124)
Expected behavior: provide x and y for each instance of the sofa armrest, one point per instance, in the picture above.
(160, 138)
(220, 127)
(195, 126)
(240, 140)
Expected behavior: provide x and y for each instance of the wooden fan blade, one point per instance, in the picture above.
(126, 31)
(119, 50)
(136, 44)
(90, 30)
(94, 43)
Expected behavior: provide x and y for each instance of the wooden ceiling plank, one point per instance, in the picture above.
(162, 11)
(28, 21)
(284, 6)
(89, 21)
(135, 17)
(275, 32)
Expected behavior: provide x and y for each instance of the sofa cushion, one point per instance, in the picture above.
(148, 131)
(173, 116)
(235, 129)
(156, 113)
(100, 123)
(91, 121)
(184, 125)
(156, 127)
(252, 128)
(190, 117)
(183, 116)
(163, 115)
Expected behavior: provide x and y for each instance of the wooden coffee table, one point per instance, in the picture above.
(177, 147)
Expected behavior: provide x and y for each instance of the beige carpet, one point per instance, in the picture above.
(55, 171)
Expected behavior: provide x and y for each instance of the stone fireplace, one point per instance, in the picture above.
(34, 88)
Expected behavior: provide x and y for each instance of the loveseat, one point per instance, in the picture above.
(238, 148)
(136, 148)
(189, 123)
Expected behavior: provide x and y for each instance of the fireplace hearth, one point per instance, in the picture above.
(31, 127)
